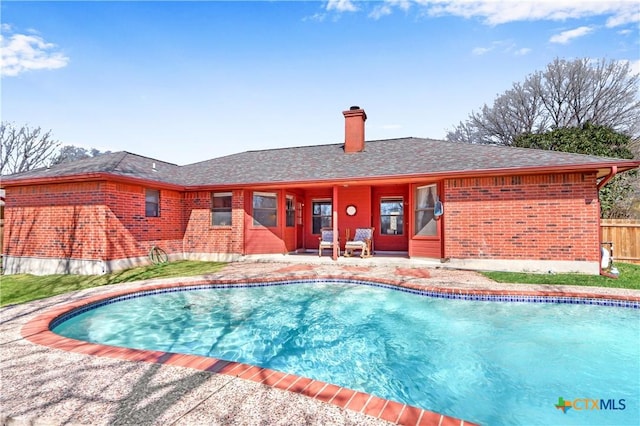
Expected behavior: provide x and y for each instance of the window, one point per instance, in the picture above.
(321, 215)
(265, 209)
(426, 197)
(391, 216)
(291, 211)
(152, 203)
(221, 209)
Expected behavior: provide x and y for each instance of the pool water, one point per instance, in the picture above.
(486, 362)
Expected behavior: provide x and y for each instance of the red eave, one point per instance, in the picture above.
(88, 177)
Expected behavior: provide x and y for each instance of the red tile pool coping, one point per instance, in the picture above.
(38, 331)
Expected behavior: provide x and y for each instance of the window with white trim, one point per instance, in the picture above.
(152, 203)
(425, 221)
(265, 209)
(221, 208)
(291, 211)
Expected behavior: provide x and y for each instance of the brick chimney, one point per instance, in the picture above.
(354, 129)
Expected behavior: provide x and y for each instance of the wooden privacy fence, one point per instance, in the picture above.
(625, 236)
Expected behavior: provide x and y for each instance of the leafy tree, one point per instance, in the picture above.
(24, 148)
(565, 94)
(618, 196)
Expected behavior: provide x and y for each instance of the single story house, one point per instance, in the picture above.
(503, 208)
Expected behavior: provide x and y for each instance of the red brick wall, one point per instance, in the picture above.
(546, 217)
(129, 233)
(201, 237)
(90, 220)
(60, 221)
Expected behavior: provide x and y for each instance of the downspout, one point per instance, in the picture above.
(603, 182)
(599, 186)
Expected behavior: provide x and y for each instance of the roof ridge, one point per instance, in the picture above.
(149, 158)
(123, 154)
(324, 144)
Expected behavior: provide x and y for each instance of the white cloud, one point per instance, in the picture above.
(387, 6)
(317, 17)
(21, 53)
(566, 36)
(495, 12)
(341, 6)
(479, 51)
(504, 46)
(380, 11)
(631, 15)
(402, 4)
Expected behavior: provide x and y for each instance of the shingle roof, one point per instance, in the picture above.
(116, 163)
(391, 157)
(382, 158)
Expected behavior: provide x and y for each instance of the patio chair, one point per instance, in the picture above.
(326, 240)
(362, 240)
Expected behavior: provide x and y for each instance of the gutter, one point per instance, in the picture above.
(601, 184)
(91, 177)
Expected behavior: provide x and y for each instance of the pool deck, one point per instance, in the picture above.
(47, 379)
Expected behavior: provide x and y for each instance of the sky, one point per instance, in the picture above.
(189, 81)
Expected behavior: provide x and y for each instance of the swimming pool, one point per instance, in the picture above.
(485, 361)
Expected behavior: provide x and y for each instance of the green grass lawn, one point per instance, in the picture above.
(629, 278)
(24, 288)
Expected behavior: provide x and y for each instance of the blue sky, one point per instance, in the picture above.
(188, 81)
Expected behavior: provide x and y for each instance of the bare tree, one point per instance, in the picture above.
(24, 148)
(565, 94)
